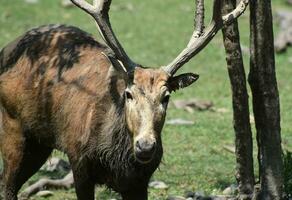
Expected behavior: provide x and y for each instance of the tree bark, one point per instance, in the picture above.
(262, 79)
(241, 120)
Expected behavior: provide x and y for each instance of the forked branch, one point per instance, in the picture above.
(45, 183)
(198, 42)
(99, 11)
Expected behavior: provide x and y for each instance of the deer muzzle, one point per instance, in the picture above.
(144, 150)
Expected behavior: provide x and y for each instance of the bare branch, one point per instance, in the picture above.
(196, 44)
(45, 183)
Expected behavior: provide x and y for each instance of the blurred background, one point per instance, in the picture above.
(198, 135)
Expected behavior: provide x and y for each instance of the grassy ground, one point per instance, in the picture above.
(153, 32)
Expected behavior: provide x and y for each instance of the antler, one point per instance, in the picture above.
(201, 37)
(99, 11)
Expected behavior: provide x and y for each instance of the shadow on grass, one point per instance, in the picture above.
(221, 184)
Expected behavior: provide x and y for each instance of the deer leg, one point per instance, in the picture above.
(12, 146)
(135, 194)
(84, 185)
(21, 157)
(30, 162)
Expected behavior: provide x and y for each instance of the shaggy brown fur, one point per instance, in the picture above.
(59, 90)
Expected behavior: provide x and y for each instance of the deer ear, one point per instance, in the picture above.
(182, 81)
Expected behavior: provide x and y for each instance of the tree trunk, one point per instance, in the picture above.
(262, 79)
(243, 134)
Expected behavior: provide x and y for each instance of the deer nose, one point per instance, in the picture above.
(145, 148)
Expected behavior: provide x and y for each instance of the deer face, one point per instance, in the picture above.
(147, 97)
(146, 104)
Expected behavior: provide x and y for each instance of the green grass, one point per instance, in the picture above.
(153, 33)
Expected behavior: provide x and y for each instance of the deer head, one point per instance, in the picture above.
(148, 89)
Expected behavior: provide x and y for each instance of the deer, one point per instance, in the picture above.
(61, 89)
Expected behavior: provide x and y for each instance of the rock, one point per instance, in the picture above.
(190, 105)
(284, 18)
(199, 193)
(231, 190)
(195, 195)
(175, 198)
(158, 185)
(218, 198)
(289, 2)
(243, 197)
(284, 37)
(31, 1)
(199, 197)
(280, 42)
(56, 164)
(205, 198)
(44, 193)
(179, 121)
(190, 194)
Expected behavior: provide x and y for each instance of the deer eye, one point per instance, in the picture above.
(128, 95)
(165, 99)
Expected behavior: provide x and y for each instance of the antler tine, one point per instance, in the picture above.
(199, 17)
(99, 11)
(199, 40)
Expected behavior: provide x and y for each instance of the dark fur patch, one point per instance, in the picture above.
(37, 43)
(114, 150)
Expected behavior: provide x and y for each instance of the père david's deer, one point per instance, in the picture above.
(61, 89)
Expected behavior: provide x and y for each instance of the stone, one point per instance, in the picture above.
(190, 194)
(44, 193)
(284, 38)
(203, 198)
(158, 185)
(191, 104)
(175, 198)
(289, 2)
(231, 190)
(198, 195)
(56, 164)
